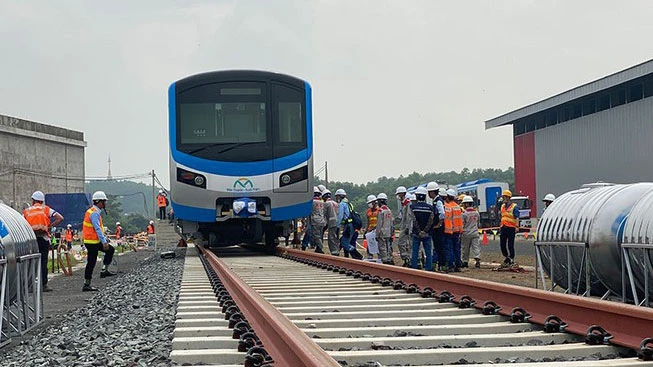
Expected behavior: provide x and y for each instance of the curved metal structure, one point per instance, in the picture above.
(638, 236)
(22, 281)
(596, 216)
(17, 240)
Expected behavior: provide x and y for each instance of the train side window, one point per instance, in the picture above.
(289, 120)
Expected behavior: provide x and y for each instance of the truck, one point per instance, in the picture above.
(524, 203)
(486, 194)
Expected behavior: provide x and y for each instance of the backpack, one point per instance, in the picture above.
(356, 220)
(355, 217)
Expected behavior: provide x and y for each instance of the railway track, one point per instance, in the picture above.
(315, 316)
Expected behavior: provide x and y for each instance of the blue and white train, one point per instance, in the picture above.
(241, 155)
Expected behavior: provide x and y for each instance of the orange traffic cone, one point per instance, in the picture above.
(364, 243)
(484, 239)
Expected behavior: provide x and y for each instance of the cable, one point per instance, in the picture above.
(160, 184)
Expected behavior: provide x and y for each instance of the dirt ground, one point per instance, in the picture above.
(490, 264)
(491, 258)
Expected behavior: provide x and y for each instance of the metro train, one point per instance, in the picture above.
(241, 155)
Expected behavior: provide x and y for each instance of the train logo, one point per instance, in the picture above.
(243, 184)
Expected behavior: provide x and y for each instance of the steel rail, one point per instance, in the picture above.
(629, 325)
(283, 341)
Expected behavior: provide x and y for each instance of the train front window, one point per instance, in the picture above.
(224, 122)
(241, 121)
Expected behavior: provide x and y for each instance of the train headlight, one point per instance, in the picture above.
(294, 176)
(191, 178)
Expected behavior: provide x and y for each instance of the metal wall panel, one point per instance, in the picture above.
(615, 145)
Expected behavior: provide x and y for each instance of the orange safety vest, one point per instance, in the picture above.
(453, 218)
(162, 200)
(38, 217)
(150, 229)
(69, 235)
(118, 231)
(372, 217)
(88, 231)
(507, 217)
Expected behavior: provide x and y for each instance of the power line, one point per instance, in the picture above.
(65, 177)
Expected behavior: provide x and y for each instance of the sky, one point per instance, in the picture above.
(398, 86)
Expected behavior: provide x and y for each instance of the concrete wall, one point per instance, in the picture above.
(610, 146)
(35, 156)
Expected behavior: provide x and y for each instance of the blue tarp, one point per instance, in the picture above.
(71, 206)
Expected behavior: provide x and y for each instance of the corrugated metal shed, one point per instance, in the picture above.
(611, 146)
(609, 81)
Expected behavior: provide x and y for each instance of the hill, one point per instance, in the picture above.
(134, 197)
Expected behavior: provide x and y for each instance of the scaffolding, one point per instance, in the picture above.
(25, 310)
(547, 248)
(627, 276)
(4, 335)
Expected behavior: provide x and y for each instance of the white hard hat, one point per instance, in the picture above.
(400, 190)
(411, 197)
(421, 191)
(382, 196)
(451, 192)
(326, 191)
(371, 198)
(316, 190)
(69, 226)
(321, 188)
(549, 197)
(341, 192)
(99, 195)
(117, 223)
(442, 191)
(160, 191)
(468, 199)
(38, 196)
(151, 222)
(431, 186)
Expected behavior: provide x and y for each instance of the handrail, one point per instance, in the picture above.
(283, 341)
(628, 324)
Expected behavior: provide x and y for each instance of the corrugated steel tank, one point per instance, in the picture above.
(597, 215)
(16, 240)
(639, 230)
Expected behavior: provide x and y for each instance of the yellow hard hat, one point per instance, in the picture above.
(461, 197)
(506, 193)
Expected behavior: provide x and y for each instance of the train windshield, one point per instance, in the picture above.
(239, 121)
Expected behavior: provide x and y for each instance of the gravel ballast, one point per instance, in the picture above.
(129, 323)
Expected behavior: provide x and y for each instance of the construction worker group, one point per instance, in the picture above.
(437, 229)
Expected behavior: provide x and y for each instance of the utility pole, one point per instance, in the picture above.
(326, 174)
(153, 197)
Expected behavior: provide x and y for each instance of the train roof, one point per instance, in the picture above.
(238, 75)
